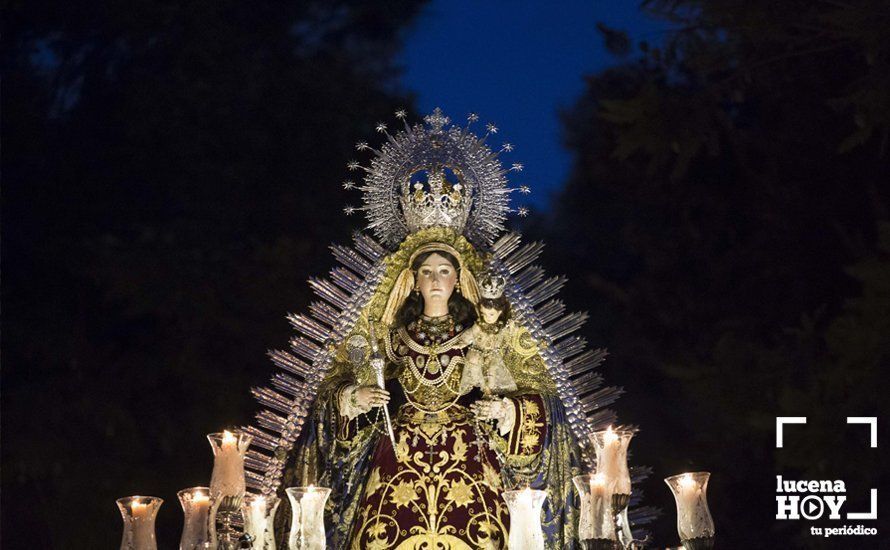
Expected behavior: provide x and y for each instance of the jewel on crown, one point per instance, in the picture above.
(439, 203)
(492, 286)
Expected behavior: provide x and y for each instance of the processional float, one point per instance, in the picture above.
(463, 184)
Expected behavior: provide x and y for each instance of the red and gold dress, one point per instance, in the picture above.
(440, 488)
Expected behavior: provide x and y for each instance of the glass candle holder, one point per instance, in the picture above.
(229, 448)
(610, 447)
(227, 486)
(307, 520)
(525, 519)
(195, 503)
(694, 523)
(596, 522)
(259, 520)
(139, 515)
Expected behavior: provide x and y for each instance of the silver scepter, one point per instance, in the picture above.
(377, 364)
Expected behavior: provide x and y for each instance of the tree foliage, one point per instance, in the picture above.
(722, 223)
(170, 181)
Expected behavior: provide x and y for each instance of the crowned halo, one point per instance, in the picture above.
(435, 174)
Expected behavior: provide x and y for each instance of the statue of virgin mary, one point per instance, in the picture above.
(437, 371)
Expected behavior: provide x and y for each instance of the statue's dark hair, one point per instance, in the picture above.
(462, 310)
(501, 303)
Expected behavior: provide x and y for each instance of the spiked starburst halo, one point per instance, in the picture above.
(436, 174)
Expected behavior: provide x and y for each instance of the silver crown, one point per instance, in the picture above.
(435, 175)
(436, 202)
(492, 286)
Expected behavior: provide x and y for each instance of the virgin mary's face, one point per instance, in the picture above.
(436, 278)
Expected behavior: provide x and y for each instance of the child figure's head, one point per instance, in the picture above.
(493, 307)
(494, 310)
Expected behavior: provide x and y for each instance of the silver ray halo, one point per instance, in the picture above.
(436, 174)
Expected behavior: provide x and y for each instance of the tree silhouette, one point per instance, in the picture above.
(722, 223)
(171, 179)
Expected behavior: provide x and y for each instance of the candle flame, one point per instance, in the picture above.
(687, 481)
(201, 497)
(599, 479)
(610, 436)
(137, 506)
(311, 488)
(228, 438)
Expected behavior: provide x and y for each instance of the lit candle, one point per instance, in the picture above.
(139, 522)
(693, 516)
(688, 492)
(525, 519)
(139, 509)
(256, 516)
(598, 485)
(228, 464)
(611, 452)
(611, 458)
(307, 522)
(143, 529)
(195, 503)
(259, 519)
(603, 524)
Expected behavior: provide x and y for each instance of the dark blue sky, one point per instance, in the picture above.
(516, 64)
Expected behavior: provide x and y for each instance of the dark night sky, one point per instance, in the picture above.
(171, 178)
(516, 64)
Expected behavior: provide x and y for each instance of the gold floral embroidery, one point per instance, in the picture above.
(531, 426)
(402, 449)
(529, 441)
(459, 450)
(491, 477)
(403, 494)
(461, 493)
(373, 481)
(377, 530)
(432, 482)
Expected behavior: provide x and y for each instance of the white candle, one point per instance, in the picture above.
(687, 495)
(525, 519)
(143, 527)
(195, 503)
(259, 519)
(256, 518)
(138, 509)
(598, 485)
(602, 525)
(611, 454)
(139, 522)
(693, 517)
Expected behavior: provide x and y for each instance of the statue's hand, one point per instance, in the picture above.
(371, 396)
(500, 410)
(489, 409)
